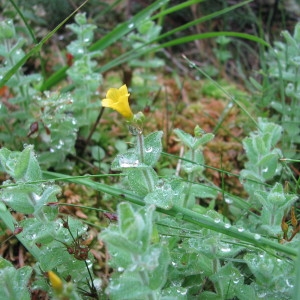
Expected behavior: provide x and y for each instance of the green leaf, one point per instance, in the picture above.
(97, 153)
(211, 296)
(194, 161)
(147, 215)
(204, 191)
(185, 138)
(128, 286)
(259, 146)
(227, 280)
(162, 196)
(4, 263)
(14, 283)
(158, 276)
(126, 217)
(125, 161)
(203, 140)
(27, 167)
(48, 195)
(271, 133)
(21, 197)
(141, 180)
(268, 165)
(120, 242)
(152, 148)
(4, 156)
(37, 231)
(7, 29)
(245, 292)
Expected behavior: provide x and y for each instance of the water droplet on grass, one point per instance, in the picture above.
(257, 236)
(225, 249)
(192, 65)
(179, 216)
(228, 200)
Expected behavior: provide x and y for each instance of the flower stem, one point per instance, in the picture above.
(140, 146)
(191, 178)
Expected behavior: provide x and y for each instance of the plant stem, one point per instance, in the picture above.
(191, 178)
(140, 146)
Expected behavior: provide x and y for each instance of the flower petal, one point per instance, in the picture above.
(117, 99)
(113, 94)
(123, 90)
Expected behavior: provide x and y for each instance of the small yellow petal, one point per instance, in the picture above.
(107, 103)
(123, 90)
(113, 94)
(56, 282)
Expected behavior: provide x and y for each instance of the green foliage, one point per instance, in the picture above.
(193, 165)
(181, 237)
(14, 282)
(263, 157)
(197, 253)
(280, 90)
(26, 193)
(82, 73)
(141, 264)
(143, 81)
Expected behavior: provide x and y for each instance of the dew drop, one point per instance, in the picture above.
(228, 200)
(261, 295)
(236, 280)
(192, 65)
(179, 216)
(257, 236)
(289, 284)
(149, 149)
(128, 163)
(182, 291)
(225, 249)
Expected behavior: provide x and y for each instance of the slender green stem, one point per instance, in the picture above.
(191, 178)
(140, 146)
(95, 126)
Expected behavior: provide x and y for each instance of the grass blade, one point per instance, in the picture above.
(185, 214)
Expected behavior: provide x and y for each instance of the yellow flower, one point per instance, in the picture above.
(56, 282)
(117, 99)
